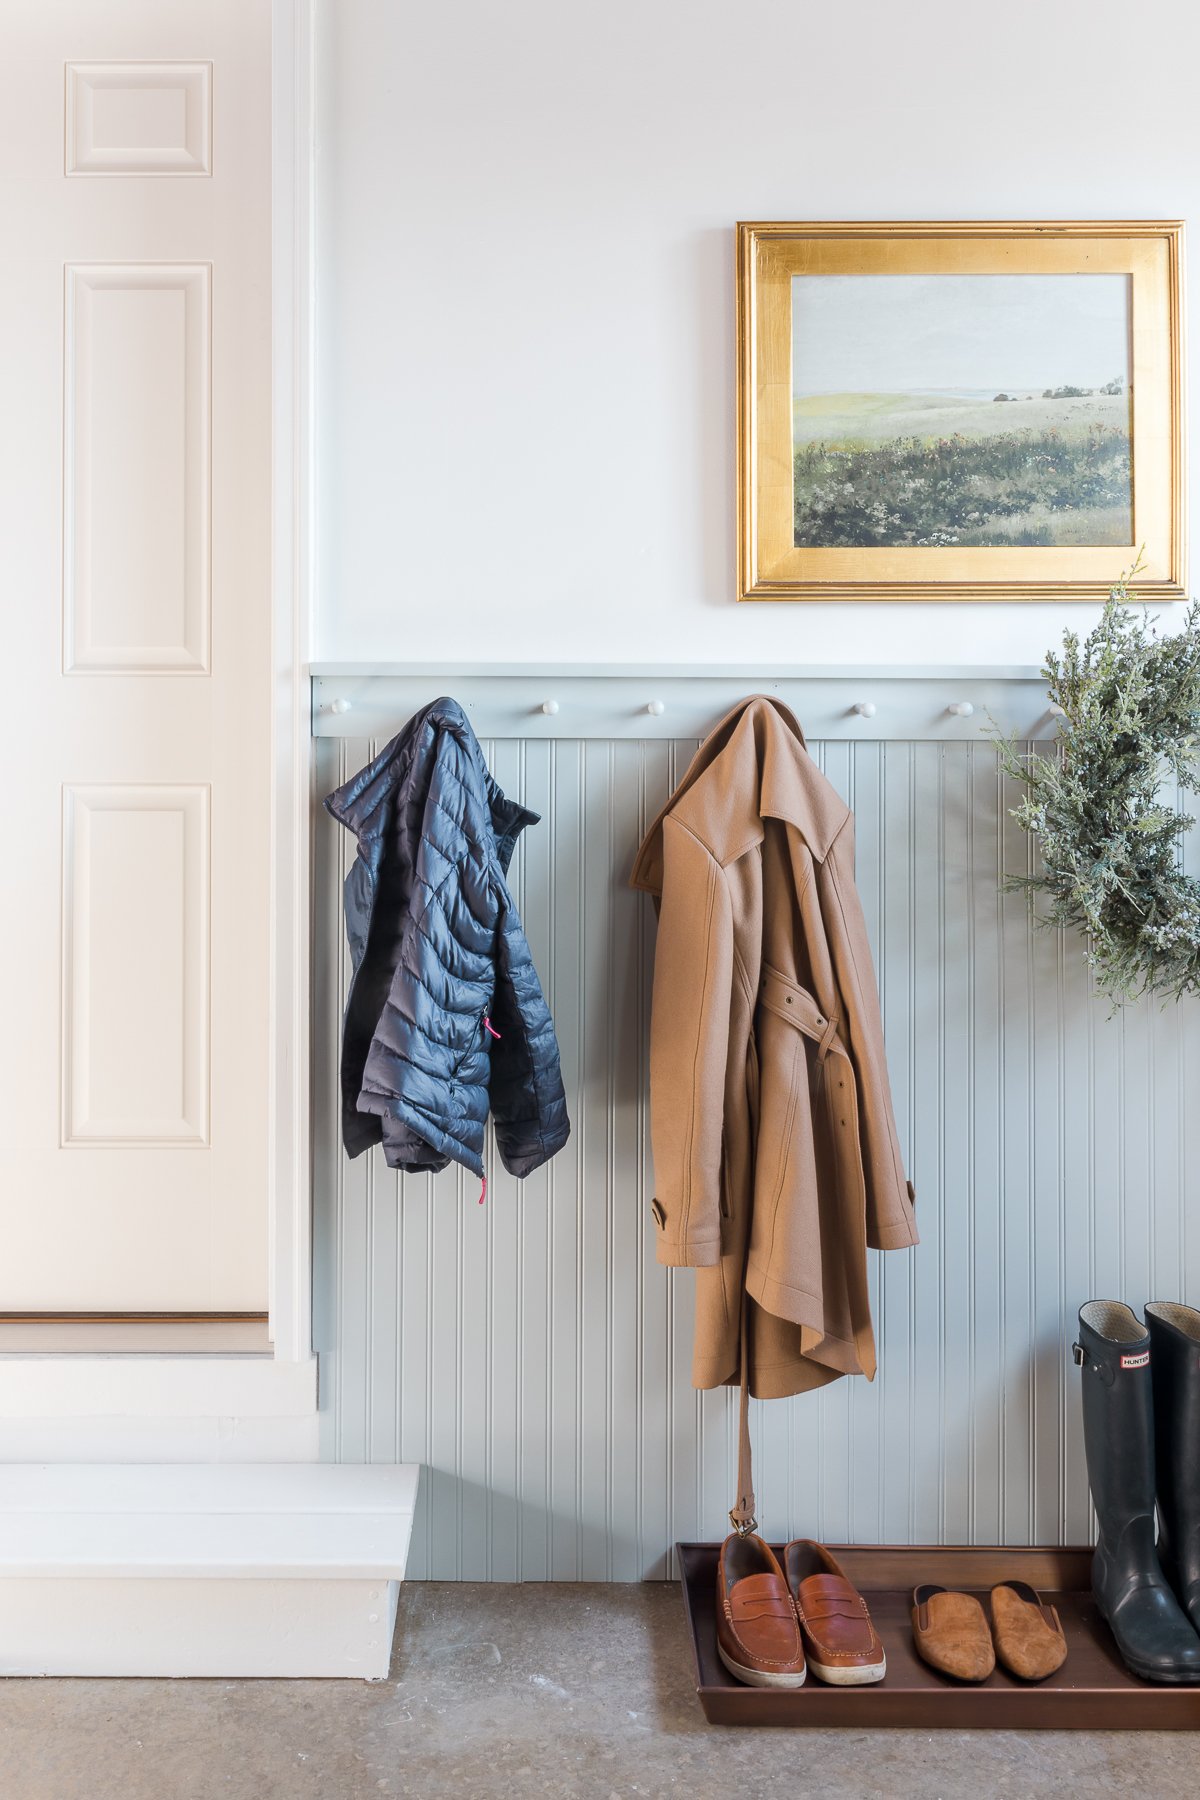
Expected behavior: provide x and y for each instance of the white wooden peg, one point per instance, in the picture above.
(550, 707)
(962, 709)
(865, 709)
(655, 708)
(339, 706)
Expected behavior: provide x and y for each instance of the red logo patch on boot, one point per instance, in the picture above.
(1136, 1362)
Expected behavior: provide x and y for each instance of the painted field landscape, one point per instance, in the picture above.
(910, 429)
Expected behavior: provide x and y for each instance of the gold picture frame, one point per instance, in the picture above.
(781, 498)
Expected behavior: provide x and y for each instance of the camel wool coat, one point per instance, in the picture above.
(775, 1152)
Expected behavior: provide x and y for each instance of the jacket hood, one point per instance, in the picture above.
(399, 776)
(753, 765)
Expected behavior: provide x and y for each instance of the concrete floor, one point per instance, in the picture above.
(501, 1691)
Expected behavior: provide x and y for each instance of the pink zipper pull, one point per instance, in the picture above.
(483, 1191)
(488, 1026)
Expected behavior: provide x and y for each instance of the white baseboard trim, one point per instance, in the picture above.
(181, 1387)
(160, 1439)
(135, 1337)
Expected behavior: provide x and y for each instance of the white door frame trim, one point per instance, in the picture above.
(212, 1406)
(292, 279)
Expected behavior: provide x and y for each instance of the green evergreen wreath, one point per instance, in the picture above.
(1110, 850)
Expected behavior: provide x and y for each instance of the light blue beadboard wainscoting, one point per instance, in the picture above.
(530, 1352)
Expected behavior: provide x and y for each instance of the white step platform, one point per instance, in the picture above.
(202, 1569)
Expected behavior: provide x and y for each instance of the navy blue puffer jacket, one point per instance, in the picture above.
(439, 954)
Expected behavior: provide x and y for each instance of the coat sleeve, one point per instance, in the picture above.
(891, 1220)
(689, 1040)
(426, 1069)
(525, 1088)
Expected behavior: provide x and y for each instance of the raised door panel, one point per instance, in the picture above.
(137, 451)
(135, 978)
(139, 118)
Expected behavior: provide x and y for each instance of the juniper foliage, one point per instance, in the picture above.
(1110, 850)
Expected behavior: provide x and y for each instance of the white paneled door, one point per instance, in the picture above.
(135, 318)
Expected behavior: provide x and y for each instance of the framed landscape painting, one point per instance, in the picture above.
(959, 411)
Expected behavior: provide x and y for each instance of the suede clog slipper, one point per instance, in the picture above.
(1028, 1633)
(951, 1633)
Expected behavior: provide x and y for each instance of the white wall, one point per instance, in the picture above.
(525, 288)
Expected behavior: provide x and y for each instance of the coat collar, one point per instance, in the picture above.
(753, 765)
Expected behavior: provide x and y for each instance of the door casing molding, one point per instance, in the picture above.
(292, 211)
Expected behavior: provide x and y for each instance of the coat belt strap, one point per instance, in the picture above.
(741, 1515)
(795, 1004)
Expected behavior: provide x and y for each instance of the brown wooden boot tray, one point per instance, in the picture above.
(1093, 1691)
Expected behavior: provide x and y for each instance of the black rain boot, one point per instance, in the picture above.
(1153, 1636)
(1175, 1353)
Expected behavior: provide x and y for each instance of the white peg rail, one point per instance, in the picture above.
(357, 700)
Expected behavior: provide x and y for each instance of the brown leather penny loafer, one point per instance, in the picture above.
(1028, 1633)
(758, 1636)
(841, 1644)
(951, 1633)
